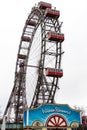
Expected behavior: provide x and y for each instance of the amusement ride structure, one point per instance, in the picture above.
(38, 64)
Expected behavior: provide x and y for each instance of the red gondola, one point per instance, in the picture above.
(54, 72)
(52, 13)
(31, 23)
(55, 36)
(20, 56)
(26, 39)
(44, 5)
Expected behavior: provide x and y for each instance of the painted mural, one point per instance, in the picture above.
(52, 115)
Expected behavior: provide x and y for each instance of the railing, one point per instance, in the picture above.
(12, 126)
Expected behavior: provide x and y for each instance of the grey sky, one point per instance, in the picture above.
(73, 85)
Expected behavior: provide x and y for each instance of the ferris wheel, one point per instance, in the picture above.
(38, 65)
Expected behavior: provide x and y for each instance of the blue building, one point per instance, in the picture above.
(52, 116)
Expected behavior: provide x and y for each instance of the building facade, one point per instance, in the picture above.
(52, 116)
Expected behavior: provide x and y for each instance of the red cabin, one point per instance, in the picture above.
(84, 120)
(44, 5)
(20, 56)
(31, 23)
(55, 36)
(54, 72)
(52, 13)
(26, 39)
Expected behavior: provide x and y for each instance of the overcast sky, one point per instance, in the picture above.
(73, 85)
